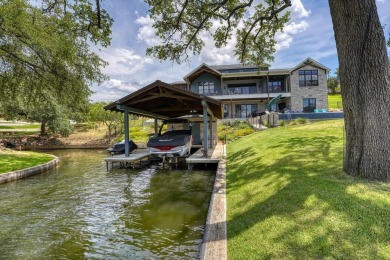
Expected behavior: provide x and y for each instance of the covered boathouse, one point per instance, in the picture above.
(162, 101)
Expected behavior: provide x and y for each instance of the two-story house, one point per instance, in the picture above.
(246, 89)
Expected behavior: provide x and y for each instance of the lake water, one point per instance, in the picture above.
(81, 210)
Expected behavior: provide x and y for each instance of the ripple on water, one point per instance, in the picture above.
(80, 210)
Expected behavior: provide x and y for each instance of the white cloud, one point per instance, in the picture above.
(147, 33)
(298, 10)
(123, 61)
(116, 84)
(285, 38)
(114, 89)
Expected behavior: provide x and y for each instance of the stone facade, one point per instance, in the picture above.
(320, 92)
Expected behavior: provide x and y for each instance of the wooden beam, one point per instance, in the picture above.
(142, 100)
(141, 112)
(170, 109)
(209, 111)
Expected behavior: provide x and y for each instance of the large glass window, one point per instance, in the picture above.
(308, 78)
(309, 104)
(245, 110)
(275, 86)
(249, 88)
(206, 88)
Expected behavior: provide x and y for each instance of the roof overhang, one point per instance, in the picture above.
(163, 101)
(311, 62)
(200, 70)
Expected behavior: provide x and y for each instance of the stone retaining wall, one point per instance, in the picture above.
(20, 174)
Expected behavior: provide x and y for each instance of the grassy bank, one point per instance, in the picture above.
(13, 160)
(288, 198)
(335, 101)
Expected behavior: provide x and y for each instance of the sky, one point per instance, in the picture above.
(309, 33)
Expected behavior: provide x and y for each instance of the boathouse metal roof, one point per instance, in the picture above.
(161, 100)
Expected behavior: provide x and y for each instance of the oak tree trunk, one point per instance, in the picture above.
(43, 128)
(365, 79)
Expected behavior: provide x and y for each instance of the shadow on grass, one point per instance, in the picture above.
(301, 205)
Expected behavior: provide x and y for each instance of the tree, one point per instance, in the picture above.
(46, 65)
(364, 67)
(97, 113)
(365, 76)
(333, 84)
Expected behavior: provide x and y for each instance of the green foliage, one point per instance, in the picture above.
(289, 198)
(334, 85)
(46, 65)
(301, 121)
(97, 114)
(282, 122)
(233, 130)
(180, 26)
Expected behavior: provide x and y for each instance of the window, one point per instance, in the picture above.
(308, 78)
(275, 86)
(309, 104)
(249, 88)
(206, 88)
(245, 110)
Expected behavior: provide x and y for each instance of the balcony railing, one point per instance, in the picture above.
(238, 92)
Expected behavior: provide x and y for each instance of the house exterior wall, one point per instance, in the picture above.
(320, 92)
(206, 77)
(286, 82)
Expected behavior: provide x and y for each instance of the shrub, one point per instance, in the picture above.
(234, 130)
(301, 121)
(282, 122)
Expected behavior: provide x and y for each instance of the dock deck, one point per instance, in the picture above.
(214, 155)
(133, 158)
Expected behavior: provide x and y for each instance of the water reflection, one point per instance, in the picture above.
(80, 210)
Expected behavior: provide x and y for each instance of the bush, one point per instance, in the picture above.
(233, 130)
(282, 122)
(301, 121)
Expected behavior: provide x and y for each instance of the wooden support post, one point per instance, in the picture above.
(127, 139)
(205, 130)
(211, 132)
(155, 127)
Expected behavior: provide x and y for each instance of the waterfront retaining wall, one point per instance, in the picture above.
(24, 173)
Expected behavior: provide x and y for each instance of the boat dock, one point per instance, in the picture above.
(134, 160)
(141, 157)
(214, 155)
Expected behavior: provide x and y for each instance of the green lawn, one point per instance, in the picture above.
(288, 198)
(13, 160)
(20, 127)
(335, 101)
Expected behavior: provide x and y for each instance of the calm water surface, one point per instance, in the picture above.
(80, 210)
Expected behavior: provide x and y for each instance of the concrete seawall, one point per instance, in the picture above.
(214, 245)
(24, 173)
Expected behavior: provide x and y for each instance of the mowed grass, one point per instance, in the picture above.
(335, 101)
(288, 198)
(20, 126)
(14, 160)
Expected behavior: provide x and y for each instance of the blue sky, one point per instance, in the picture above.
(308, 34)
